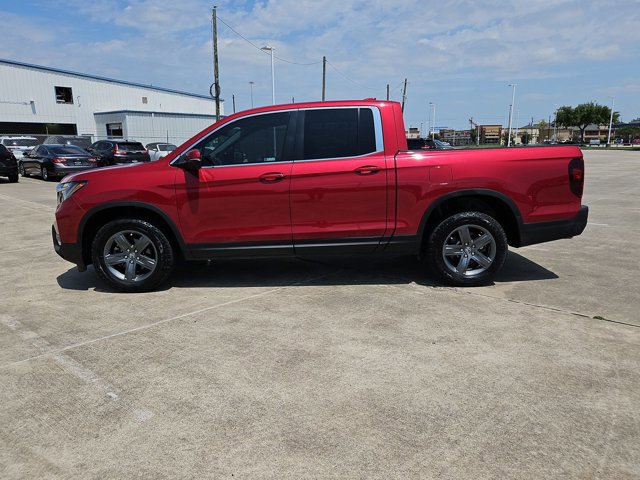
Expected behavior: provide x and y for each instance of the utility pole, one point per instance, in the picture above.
(216, 80)
(387, 92)
(233, 99)
(324, 77)
(404, 94)
(251, 88)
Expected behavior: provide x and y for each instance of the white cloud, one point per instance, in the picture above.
(439, 46)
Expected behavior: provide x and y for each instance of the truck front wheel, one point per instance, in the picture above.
(132, 255)
(467, 249)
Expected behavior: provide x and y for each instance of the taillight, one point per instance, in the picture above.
(576, 176)
(116, 151)
(57, 160)
(92, 159)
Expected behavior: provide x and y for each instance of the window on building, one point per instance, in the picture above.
(338, 133)
(144, 100)
(114, 130)
(64, 95)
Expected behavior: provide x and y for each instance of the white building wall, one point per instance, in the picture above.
(27, 94)
(148, 127)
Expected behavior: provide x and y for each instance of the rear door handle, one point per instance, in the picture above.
(367, 170)
(272, 177)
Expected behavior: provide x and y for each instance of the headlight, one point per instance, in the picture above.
(65, 190)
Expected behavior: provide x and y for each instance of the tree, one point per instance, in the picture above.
(543, 131)
(584, 115)
(505, 137)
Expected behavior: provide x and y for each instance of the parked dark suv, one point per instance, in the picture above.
(8, 164)
(114, 152)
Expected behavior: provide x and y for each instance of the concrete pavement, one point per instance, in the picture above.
(332, 369)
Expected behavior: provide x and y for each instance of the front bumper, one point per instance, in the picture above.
(72, 252)
(532, 233)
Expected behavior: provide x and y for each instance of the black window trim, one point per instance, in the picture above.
(377, 125)
(289, 140)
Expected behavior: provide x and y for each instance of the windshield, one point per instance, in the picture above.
(21, 142)
(67, 150)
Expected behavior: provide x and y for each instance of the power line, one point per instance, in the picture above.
(295, 63)
(262, 51)
(349, 79)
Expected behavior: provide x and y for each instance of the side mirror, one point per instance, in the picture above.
(190, 161)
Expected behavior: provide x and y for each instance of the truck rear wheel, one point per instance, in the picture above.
(467, 249)
(132, 255)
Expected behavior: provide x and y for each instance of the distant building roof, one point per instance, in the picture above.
(104, 79)
(203, 115)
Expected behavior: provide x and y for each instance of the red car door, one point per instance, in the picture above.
(339, 180)
(238, 202)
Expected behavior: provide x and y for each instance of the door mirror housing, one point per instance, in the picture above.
(190, 161)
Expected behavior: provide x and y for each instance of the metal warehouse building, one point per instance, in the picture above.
(40, 101)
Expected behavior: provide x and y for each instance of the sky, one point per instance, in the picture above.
(460, 55)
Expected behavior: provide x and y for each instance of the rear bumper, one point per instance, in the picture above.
(532, 233)
(62, 170)
(71, 252)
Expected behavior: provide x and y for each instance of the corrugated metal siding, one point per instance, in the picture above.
(28, 95)
(153, 127)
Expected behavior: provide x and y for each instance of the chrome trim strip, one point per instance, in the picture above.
(377, 125)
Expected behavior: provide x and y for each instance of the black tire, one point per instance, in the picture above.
(13, 178)
(45, 174)
(472, 262)
(21, 170)
(119, 263)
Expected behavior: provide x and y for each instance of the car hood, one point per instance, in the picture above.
(107, 172)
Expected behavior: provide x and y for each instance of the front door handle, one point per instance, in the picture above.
(367, 170)
(272, 177)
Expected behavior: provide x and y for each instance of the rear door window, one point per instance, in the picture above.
(338, 133)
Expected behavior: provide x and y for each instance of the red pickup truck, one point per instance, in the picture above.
(312, 179)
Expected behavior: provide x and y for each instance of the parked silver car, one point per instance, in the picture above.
(19, 145)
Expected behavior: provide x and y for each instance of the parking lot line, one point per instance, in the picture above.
(153, 324)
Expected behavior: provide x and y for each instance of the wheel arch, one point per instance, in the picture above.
(493, 203)
(99, 216)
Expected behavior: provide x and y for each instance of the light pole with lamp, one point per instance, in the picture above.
(251, 87)
(555, 123)
(513, 101)
(267, 48)
(433, 126)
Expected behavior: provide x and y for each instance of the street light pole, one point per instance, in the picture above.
(429, 132)
(273, 77)
(613, 102)
(433, 135)
(513, 101)
(251, 87)
(555, 123)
